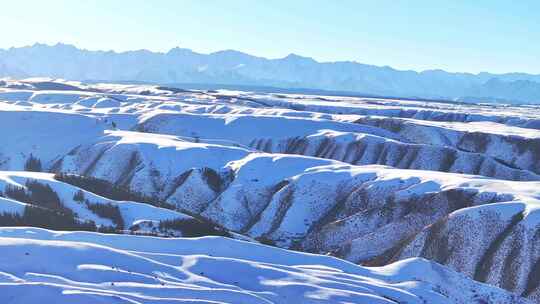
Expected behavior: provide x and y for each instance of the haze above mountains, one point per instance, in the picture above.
(234, 68)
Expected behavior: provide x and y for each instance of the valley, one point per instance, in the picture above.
(386, 200)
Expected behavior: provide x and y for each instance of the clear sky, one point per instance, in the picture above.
(455, 35)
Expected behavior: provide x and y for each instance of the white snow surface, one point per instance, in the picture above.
(350, 176)
(40, 265)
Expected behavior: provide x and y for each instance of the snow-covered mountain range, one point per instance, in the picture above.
(435, 202)
(236, 68)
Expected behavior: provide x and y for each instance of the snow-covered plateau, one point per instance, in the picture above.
(156, 194)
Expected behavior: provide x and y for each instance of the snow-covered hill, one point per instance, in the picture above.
(57, 267)
(25, 192)
(372, 181)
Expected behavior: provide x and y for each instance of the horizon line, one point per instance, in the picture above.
(256, 56)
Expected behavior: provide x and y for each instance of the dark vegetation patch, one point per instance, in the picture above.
(56, 220)
(396, 153)
(193, 227)
(198, 226)
(383, 155)
(178, 181)
(391, 254)
(484, 265)
(285, 203)
(266, 241)
(296, 145)
(436, 243)
(129, 171)
(257, 217)
(9, 219)
(474, 142)
(410, 156)
(324, 147)
(268, 146)
(449, 157)
(511, 266)
(79, 196)
(44, 209)
(357, 150)
(523, 145)
(108, 211)
(533, 279)
(109, 190)
(392, 125)
(37, 194)
(33, 164)
(459, 198)
(212, 178)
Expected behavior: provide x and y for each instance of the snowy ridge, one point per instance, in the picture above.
(96, 268)
(372, 181)
(135, 217)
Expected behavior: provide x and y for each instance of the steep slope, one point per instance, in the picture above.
(365, 214)
(373, 181)
(345, 142)
(29, 197)
(515, 146)
(504, 254)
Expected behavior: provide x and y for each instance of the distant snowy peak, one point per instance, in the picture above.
(294, 58)
(520, 90)
(231, 67)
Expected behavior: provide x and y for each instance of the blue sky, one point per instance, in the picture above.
(458, 35)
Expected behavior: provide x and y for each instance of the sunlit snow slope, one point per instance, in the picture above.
(42, 265)
(421, 189)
